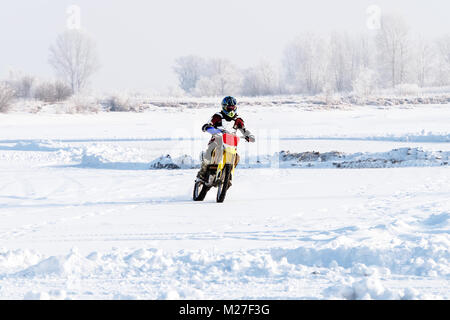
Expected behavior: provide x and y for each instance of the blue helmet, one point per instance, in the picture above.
(229, 106)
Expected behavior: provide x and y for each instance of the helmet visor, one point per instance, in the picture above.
(230, 108)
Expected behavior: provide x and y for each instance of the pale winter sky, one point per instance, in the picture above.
(138, 40)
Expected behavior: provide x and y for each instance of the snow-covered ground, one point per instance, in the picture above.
(329, 204)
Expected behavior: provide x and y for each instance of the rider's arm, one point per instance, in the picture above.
(216, 121)
(239, 124)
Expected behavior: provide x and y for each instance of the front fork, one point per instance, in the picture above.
(231, 157)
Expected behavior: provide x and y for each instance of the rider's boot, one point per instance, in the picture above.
(203, 173)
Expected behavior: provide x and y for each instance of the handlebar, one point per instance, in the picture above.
(213, 130)
(217, 130)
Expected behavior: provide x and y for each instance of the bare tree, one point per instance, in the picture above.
(52, 91)
(443, 54)
(260, 80)
(393, 49)
(365, 82)
(343, 61)
(74, 58)
(6, 96)
(305, 63)
(424, 58)
(221, 77)
(189, 70)
(22, 84)
(444, 47)
(226, 75)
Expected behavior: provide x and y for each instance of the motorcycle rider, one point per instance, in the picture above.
(222, 119)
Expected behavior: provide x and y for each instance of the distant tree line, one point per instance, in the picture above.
(391, 57)
(73, 58)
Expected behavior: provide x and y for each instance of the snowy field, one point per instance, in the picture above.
(329, 204)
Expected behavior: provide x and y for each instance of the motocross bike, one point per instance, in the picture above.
(219, 175)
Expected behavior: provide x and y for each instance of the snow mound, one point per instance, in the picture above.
(108, 157)
(308, 156)
(403, 157)
(352, 271)
(427, 259)
(16, 259)
(166, 162)
(73, 263)
(370, 288)
(114, 157)
(38, 145)
(92, 160)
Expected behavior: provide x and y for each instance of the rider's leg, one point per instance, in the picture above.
(217, 145)
(214, 144)
(203, 170)
(209, 151)
(236, 160)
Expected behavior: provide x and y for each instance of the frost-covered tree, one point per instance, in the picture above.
(220, 78)
(345, 60)
(22, 84)
(442, 73)
(339, 66)
(6, 96)
(393, 45)
(365, 82)
(313, 64)
(189, 69)
(49, 91)
(260, 80)
(424, 62)
(305, 64)
(74, 58)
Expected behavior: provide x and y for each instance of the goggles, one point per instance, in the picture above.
(230, 108)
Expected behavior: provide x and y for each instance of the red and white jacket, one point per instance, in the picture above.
(220, 119)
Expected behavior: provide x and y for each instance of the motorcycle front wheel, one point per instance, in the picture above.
(224, 184)
(200, 191)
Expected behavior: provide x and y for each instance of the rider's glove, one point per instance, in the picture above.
(206, 127)
(250, 138)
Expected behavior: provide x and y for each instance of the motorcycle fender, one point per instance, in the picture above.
(229, 155)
